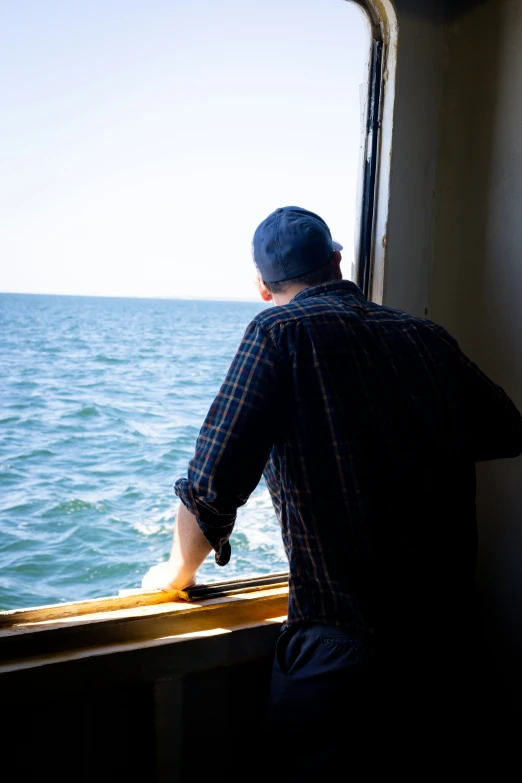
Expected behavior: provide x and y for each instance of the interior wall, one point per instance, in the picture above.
(476, 284)
(454, 240)
(407, 236)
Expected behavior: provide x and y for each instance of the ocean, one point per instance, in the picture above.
(101, 402)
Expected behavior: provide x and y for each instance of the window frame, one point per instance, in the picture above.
(373, 186)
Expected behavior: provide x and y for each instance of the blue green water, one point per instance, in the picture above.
(101, 401)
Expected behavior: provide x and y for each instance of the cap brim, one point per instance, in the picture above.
(336, 245)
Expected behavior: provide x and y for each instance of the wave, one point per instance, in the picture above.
(88, 410)
(109, 359)
(72, 507)
(156, 523)
(19, 508)
(26, 384)
(38, 453)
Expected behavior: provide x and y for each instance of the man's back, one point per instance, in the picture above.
(380, 420)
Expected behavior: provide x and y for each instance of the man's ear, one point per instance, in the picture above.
(335, 261)
(264, 293)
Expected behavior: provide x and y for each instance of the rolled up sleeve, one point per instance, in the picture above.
(234, 441)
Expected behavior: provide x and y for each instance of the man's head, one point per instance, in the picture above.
(294, 247)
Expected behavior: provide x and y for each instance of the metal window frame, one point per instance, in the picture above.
(371, 142)
(373, 122)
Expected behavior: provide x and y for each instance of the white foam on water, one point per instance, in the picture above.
(156, 523)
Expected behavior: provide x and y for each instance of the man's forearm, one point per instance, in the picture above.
(189, 549)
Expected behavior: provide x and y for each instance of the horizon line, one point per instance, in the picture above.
(188, 298)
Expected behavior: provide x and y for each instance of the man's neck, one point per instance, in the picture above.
(288, 295)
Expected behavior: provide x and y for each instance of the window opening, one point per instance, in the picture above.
(110, 360)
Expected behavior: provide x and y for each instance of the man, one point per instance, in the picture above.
(366, 423)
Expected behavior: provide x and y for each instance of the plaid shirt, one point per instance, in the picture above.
(366, 423)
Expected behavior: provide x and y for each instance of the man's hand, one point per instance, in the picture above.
(164, 577)
(189, 550)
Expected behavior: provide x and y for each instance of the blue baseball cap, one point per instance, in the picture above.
(291, 242)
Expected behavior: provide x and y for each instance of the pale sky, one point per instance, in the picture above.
(142, 141)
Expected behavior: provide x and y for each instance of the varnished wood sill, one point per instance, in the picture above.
(42, 635)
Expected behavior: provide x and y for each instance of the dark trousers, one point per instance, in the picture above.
(320, 697)
(344, 702)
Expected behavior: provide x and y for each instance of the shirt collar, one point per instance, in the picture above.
(331, 288)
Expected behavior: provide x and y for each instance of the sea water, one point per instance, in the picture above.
(101, 402)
